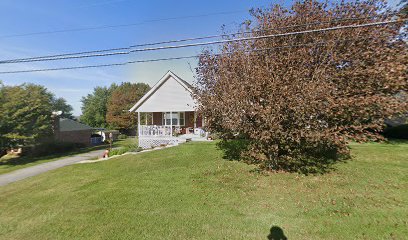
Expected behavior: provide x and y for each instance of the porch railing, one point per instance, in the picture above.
(156, 130)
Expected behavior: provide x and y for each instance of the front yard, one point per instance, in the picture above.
(191, 192)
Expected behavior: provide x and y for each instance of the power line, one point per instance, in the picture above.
(185, 40)
(120, 25)
(249, 32)
(207, 43)
(268, 36)
(170, 58)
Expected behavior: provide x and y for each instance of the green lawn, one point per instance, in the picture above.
(8, 164)
(190, 192)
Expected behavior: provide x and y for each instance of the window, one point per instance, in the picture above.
(166, 118)
(181, 118)
(176, 118)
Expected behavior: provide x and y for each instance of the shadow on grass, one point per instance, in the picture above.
(314, 161)
(396, 141)
(276, 233)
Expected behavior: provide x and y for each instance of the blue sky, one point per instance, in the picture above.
(27, 16)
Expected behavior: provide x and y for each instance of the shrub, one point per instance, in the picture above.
(214, 136)
(122, 136)
(118, 151)
(128, 148)
(233, 148)
(298, 99)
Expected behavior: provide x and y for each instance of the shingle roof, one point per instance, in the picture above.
(68, 125)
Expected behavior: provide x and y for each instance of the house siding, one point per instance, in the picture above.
(157, 118)
(189, 119)
(199, 121)
(83, 137)
(169, 96)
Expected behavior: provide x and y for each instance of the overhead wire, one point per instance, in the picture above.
(206, 43)
(85, 54)
(170, 58)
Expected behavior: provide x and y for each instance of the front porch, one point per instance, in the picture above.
(169, 128)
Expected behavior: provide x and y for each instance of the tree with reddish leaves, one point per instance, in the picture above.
(120, 101)
(295, 101)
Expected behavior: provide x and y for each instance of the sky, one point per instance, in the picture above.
(152, 21)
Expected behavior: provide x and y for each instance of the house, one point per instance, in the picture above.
(166, 114)
(71, 131)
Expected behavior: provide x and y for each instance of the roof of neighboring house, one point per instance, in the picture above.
(170, 93)
(68, 125)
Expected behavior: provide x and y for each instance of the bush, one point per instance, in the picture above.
(214, 136)
(128, 148)
(298, 107)
(132, 147)
(122, 136)
(118, 151)
(233, 148)
(306, 158)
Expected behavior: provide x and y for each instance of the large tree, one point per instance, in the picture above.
(25, 115)
(298, 99)
(94, 106)
(120, 101)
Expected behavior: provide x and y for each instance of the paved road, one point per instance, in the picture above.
(44, 167)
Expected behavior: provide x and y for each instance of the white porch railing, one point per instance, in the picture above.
(157, 135)
(155, 130)
(154, 136)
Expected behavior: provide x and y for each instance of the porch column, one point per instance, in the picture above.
(138, 123)
(195, 120)
(171, 124)
(146, 118)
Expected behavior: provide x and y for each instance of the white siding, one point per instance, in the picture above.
(171, 96)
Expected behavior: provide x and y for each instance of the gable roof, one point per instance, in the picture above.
(68, 125)
(170, 93)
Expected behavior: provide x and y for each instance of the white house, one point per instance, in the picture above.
(168, 113)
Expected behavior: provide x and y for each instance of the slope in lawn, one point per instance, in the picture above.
(190, 192)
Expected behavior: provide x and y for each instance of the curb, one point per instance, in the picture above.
(127, 153)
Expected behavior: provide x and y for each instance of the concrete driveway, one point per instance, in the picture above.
(44, 167)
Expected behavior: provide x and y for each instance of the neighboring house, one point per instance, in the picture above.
(71, 131)
(168, 113)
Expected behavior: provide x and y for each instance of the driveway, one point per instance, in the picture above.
(45, 167)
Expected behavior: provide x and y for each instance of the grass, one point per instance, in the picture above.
(12, 163)
(191, 192)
